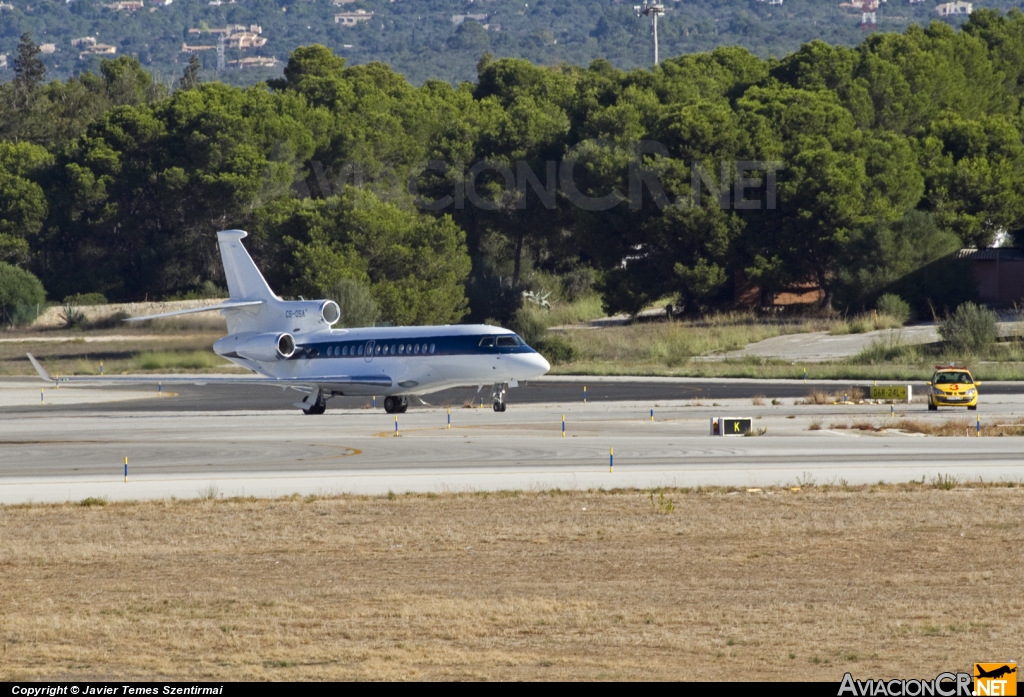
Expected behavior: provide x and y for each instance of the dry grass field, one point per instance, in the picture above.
(885, 581)
(120, 351)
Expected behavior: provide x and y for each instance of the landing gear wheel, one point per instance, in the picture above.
(498, 395)
(318, 407)
(932, 407)
(396, 405)
(974, 408)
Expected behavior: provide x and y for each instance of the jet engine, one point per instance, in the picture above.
(330, 312)
(265, 347)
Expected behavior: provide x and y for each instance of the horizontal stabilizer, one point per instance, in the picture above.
(229, 305)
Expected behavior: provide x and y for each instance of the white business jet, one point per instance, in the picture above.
(291, 344)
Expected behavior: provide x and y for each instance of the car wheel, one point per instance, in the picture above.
(932, 407)
(974, 408)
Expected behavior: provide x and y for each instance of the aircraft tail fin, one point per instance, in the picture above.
(245, 282)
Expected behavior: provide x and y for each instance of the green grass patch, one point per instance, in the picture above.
(671, 344)
(562, 313)
(669, 348)
(178, 360)
(861, 324)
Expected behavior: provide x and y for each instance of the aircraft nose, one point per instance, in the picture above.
(541, 363)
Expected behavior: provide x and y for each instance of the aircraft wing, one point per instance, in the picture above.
(311, 380)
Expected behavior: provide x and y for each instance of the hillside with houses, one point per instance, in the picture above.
(245, 41)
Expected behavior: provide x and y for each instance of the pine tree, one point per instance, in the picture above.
(29, 70)
(190, 78)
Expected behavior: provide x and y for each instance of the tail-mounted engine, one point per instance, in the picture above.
(306, 315)
(257, 347)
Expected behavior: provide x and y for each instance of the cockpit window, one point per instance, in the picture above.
(508, 341)
(487, 342)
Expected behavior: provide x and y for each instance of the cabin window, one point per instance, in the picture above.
(507, 342)
(392, 349)
(416, 349)
(487, 342)
(378, 350)
(401, 348)
(432, 349)
(344, 350)
(408, 348)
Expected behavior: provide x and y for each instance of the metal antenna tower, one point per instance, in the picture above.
(651, 8)
(220, 53)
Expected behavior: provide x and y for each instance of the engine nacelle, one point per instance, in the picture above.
(308, 315)
(257, 347)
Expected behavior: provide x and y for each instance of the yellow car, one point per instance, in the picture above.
(952, 387)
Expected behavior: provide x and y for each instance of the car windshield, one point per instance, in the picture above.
(952, 378)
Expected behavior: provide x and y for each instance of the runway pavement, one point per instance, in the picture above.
(177, 447)
(547, 390)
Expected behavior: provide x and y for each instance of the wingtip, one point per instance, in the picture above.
(39, 368)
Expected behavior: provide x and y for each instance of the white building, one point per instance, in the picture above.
(255, 62)
(954, 9)
(98, 50)
(350, 19)
(127, 5)
(244, 40)
(459, 19)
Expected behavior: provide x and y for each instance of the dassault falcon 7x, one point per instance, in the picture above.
(292, 344)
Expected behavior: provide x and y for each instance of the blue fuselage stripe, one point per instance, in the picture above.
(420, 347)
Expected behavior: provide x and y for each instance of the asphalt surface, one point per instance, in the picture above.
(68, 456)
(215, 398)
(250, 441)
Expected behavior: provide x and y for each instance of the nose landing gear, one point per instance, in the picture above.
(498, 395)
(396, 405)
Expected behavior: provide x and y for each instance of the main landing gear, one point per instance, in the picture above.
(396, 405)
(498, 395)
(312, 406)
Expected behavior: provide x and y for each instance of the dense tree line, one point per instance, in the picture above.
(443, 200)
